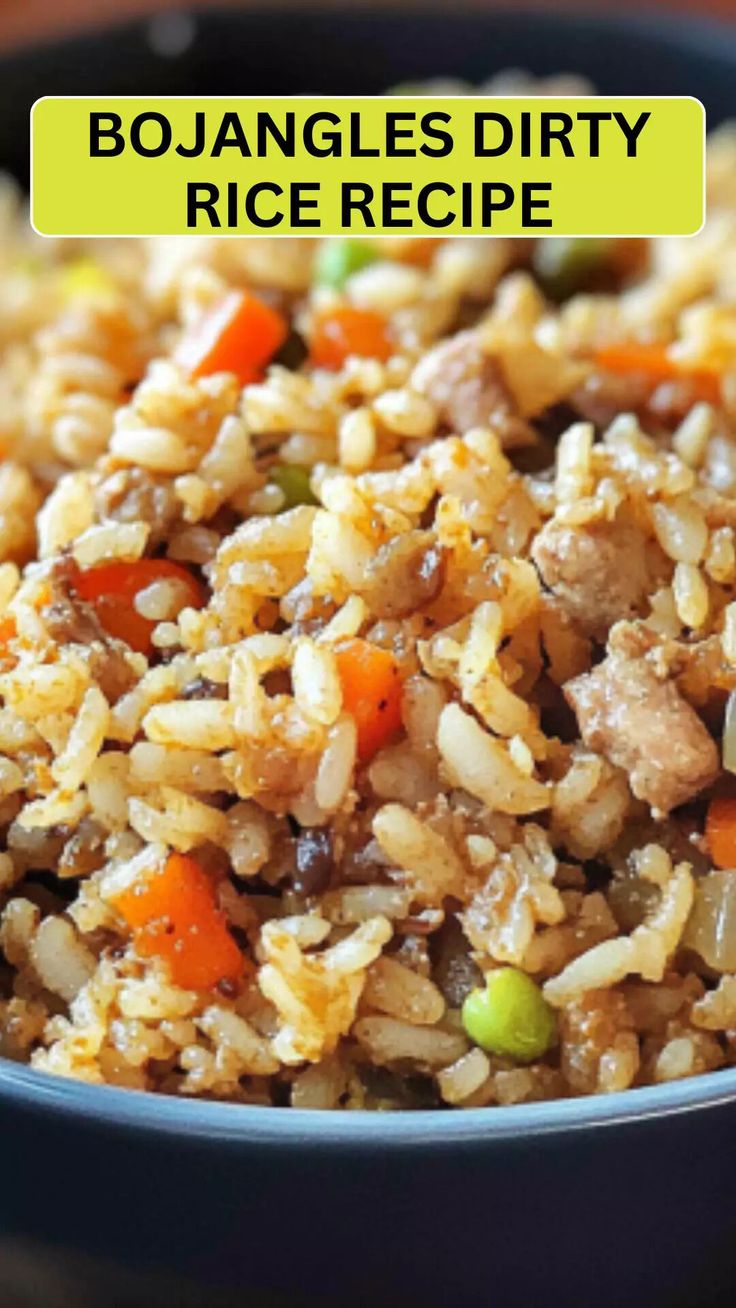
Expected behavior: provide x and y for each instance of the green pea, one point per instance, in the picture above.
(293, 481)
(339, 259)
(510, 1017)
(564, 265)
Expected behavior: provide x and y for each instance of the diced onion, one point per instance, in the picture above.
(711, 927)
(729, 734)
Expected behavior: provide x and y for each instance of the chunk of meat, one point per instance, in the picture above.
(405, 574)
(37, 848)
(315, 861)
(84, 851)
(465, 384)
(604, 395)
(204, 688)
(133, 495)
(600, 573)
(69, 620)
(644, 726)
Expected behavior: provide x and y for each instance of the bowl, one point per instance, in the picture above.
(114, 1198)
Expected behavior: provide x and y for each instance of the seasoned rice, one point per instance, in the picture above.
(533, 548)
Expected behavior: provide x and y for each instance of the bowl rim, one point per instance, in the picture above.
(197, 1120)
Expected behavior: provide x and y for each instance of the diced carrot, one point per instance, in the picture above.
(240, 334)
(720, 831)
(8, 630)
(343, 331)
(174, 916)
(654, 363)
(112, 588)
(371, 693)
(419, 251)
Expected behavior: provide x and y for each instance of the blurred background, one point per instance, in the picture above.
(354, 47)
(27, 20)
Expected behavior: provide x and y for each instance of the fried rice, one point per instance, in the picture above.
(464, 702)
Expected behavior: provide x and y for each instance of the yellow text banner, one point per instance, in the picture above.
(575, 166)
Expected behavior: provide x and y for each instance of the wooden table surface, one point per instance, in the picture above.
(27, 20)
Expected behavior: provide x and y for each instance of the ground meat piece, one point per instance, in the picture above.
(600, 573)
(604, 395)
(306, 611)
(67, 626)
(455, 971)
(204, 688)
(110, 669)
(314, 861)
(36, 848)
(69, 620)
(133, 495)
(84, 851)
(405, 574)
(466, 385)
(644, 726)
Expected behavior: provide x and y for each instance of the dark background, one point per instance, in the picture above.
(27, 20)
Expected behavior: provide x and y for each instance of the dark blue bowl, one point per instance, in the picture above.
(114, 1199)
(125, 1199)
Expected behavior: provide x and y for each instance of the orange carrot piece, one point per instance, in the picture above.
(112, 588)
(240, 334)
(8, 630)
(371, 693)
(720, 831)
(419, 251)
(340, 332)
(654, 363)
(174, 916)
